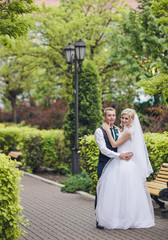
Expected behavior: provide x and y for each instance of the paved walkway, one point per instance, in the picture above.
(55, 215)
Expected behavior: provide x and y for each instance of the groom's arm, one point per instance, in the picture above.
(102, 145)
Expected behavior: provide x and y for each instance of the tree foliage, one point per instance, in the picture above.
(89, 20)
(125, 47)
(90, 115)
(140, 50)
(12, 18)
(17, 71)
(160, 10)
(41, 53)
(159, 83)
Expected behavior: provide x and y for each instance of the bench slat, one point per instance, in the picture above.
(163, 176)
(163, 172)
(154, 191)
(158, 181)
(165, 165)
(156, 185)
(15, 154)
(161, 179)
(164, 169)
(155, 188)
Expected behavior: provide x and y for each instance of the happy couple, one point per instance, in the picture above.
(122, 197)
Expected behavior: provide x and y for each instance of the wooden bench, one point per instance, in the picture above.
(158, 187)
(15, 155)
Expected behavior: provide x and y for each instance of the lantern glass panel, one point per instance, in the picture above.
(69, 53)
(80, 53)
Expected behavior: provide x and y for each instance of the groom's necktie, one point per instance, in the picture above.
(114, 133)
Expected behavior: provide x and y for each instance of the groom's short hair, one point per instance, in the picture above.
(108, 109)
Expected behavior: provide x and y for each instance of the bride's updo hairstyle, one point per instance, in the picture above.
(130, 112)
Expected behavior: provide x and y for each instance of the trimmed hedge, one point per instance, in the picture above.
(9, 138)
(10, 214)
(89, 155)
(156, 144)
(39, 147)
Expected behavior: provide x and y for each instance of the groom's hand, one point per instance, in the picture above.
(130, 155)
(126, 156)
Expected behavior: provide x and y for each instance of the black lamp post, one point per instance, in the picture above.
(75, 55)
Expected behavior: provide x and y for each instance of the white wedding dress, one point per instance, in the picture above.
(123, 200)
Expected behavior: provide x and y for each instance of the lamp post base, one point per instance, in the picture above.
(75, 162)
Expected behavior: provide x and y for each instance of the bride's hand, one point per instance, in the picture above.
(106, 127)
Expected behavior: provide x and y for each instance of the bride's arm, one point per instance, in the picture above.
(120, 141)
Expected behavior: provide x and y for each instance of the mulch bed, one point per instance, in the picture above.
(51, 176)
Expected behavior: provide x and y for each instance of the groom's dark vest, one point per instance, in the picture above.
(103, 158)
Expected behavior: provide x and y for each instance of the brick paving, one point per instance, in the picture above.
(55, 215)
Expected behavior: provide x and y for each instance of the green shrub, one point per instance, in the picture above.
(9, 139)
(39, 147)
(157, 149)
(89, 153)
(30, 147)
(10, 214)
(55, 153)
(64, 169)
(44, 148)
(78, 182)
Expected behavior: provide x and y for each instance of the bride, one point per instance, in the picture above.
(123, 199)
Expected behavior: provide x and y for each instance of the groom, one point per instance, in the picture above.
(107, 152)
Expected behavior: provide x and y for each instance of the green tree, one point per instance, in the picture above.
(140, 48)
(158, 84)
(90, 115)
(56, 26)
(160, 10)
(17, 72)
(13, 22)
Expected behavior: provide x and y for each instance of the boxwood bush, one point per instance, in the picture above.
(9, 138)
(55, 152)
(157, 145)
(77, 182)
(89, 153)
(39, 147)
(11, 216)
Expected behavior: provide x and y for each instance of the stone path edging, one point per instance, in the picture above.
(87, 195)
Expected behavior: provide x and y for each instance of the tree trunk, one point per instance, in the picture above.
(156, 99)
(14, 113)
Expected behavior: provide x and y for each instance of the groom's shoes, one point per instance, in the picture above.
(99, 226)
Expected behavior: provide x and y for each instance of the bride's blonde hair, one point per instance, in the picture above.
(131, 112)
